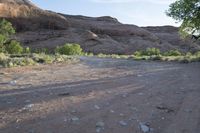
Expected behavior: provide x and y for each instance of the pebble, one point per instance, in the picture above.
(99, 126)
(140, 94)
(112, 111)
(96, 107)
(28, 107)
(14, 82)
(144, 128)
(124, 95)
(123, 123)
(134, 109)
(75, 119)
(121, 114)
(139, 75)
(98, 130)
(18, 120)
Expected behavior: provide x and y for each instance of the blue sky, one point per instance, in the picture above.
(138, 12)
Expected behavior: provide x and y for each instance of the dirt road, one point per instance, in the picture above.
(101, 95)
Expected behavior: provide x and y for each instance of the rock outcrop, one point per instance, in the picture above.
(26, 16)
(170, 34)
(47, 29)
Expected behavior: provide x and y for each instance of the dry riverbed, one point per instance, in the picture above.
(101, 95)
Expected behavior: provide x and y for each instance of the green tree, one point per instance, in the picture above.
(6, 28)
(188, 13)
(7, 46)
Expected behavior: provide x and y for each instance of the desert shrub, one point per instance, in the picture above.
(185, 60)
(188, 54)
(148, 52)
(88, 54)
(101, 55)
(197, 54)
(138, 53)
(3, 56)
(14, 48)
(173, 53)
(152, 51)
(14, 62)
(156, 58)
(69, 49)
(43, 58)
(27, 50)
(2, 48)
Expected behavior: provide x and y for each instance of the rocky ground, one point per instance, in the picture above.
(101, 95)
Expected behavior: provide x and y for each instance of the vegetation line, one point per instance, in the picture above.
(13, 54)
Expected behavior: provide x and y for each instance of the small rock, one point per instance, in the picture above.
(99, 126)
(96, 107)
(139, 75)
(144, 128)
(123, 123)
(134, 109)
(140, 94)
(75, 119)
(98, 130)
(112, 111)
(65, 119)
(18, 120)
(28, 107)
(14, 82)
(124, 95)
(121, 114)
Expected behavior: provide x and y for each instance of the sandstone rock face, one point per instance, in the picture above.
(170, 34)
(47, 29)
(26, 16)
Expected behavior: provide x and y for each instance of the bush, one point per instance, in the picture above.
(69, 49)
(138, 53)
(148, 52)
(43, 58)
(14, 48)
(6, 28)
(27, 50)
(197, 54)
(152, 51)
(3, 56)
(173, 53)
